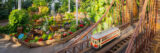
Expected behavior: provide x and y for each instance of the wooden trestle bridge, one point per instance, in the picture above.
(136, 34)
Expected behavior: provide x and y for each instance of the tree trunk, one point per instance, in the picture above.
(132, 7)
(77, 12)
(19, 4)
(69, 6)
(15, 4)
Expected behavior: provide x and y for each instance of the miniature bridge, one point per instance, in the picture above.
(136, 34)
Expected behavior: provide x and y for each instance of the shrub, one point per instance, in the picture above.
(69, 16)
(4, 29)
(44, 10)
(18, 18)
(36, 16)
(39, 3)
(32, 9)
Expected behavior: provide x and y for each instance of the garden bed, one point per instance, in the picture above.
(49, 42)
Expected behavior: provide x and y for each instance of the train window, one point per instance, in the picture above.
(95, 42)
(103, 39)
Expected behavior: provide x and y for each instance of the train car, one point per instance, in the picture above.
(99, 39)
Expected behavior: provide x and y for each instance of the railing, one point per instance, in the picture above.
(76, 48)
(144, 31)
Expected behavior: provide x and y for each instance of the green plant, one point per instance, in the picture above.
(39, 3)
(36, 16)
(5, 8)
(18, 18)
(25, 36)
(44, 10)
(73, 27)
(64, 7)
(4, 29)
(96, 8)
(50, 36)
(69, 16)
(1, 29)
(86, 21)
(32, 9)
(26, 4)
(44, 36)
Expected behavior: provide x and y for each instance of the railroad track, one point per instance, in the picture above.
(84, 47)
(117, 45)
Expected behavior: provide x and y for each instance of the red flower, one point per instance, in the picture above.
(15, 35)
(64, 34)
(70, 32)
(40, 39)
(50, 39)
(81, 25)
(26, 40)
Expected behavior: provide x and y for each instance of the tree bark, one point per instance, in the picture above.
(19, 4)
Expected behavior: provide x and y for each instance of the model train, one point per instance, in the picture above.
(99, 39)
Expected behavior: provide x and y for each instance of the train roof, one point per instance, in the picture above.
(104, 33)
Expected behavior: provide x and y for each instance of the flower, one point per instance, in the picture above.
(40, 39)
(26, 40)
(81, 25)
(15, 35)
(47, 32)
(70, 32)
(64, 34)
(50, 38)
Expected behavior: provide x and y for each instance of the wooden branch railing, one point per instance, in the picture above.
(140, 22)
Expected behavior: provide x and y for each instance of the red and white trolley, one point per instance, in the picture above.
(99, 39)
